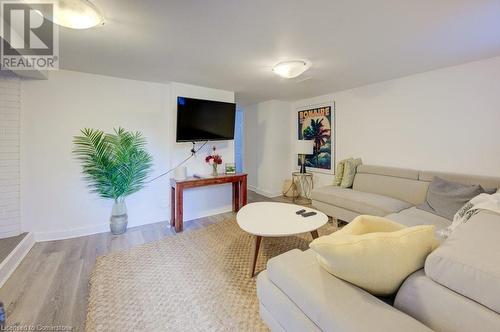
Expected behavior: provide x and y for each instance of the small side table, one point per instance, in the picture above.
(303, 185)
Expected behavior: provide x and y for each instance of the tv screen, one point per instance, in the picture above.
(204, 120)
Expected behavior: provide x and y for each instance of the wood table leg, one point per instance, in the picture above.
(236, 196)
(243, 191)
(314, 234)
(172, 207)
(256, 253)
(178, 209)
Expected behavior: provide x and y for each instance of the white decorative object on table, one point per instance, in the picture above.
(180, 173)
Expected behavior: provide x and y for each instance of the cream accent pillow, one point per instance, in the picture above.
(350, 167)
(375, 253)
(339, 172)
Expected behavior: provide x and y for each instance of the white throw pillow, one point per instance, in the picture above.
(375, 253)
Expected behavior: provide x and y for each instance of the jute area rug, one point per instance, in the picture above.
(194, 281)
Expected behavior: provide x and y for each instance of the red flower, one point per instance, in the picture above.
(215, 158)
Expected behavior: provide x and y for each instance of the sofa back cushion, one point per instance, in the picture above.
(411, 185)
(399, 183)
(468, 261)
(487, 182)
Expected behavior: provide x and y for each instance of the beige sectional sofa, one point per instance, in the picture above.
(458, 290)
(387, 191)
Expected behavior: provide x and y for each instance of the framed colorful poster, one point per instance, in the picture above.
(317, 123)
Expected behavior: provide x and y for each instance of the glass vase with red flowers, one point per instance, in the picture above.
(214, 159)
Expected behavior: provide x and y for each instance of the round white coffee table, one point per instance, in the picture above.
(271, 219)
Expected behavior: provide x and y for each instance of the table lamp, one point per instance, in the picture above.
(303, 148)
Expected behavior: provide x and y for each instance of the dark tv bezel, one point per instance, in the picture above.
(177, 140)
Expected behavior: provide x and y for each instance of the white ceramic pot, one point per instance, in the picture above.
(119, 218)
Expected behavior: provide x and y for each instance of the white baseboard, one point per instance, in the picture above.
(103, 228)
(208, 213)
(264, 192)
(15, 232)
(11, 262)
(70, 233)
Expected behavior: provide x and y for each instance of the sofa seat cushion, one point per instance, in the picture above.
(468, 261)
(441, 309)
(359, 201)
(331, 303)
(277, 311)
(414, 217)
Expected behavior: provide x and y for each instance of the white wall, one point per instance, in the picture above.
(251, 146)
(10, 110)
(267, 146)
(443, 120)
(56, 202)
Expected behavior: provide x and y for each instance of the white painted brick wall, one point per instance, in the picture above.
(10, 110)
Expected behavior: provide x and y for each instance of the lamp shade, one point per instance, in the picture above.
(304, 147)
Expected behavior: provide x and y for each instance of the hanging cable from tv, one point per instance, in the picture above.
(193, 151)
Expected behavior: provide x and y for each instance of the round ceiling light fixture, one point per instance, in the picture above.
(291, 69)
(77, 14)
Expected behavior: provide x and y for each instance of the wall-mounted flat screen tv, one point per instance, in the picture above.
(204, 120)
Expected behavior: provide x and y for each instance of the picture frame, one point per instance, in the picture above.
(318, 123)
(230, 168)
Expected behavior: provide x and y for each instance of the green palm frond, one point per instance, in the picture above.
(317, 132)
(114, 165)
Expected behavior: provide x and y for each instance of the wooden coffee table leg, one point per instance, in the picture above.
(314, 234)
(256, 253)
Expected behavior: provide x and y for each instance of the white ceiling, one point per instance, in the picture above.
(232, 45)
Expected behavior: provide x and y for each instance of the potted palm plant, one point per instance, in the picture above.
(114, 166)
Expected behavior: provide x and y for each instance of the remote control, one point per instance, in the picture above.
(308, 214)
(300, 211)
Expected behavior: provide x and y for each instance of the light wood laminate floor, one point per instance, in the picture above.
(50, 286)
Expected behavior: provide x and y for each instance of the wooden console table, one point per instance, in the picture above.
(239, 182)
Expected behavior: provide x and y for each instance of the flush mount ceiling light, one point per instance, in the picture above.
(291, 69)
(77, 14)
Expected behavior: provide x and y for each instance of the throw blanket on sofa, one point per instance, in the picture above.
(478, 203)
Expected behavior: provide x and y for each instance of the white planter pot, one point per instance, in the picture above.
(119, 218)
